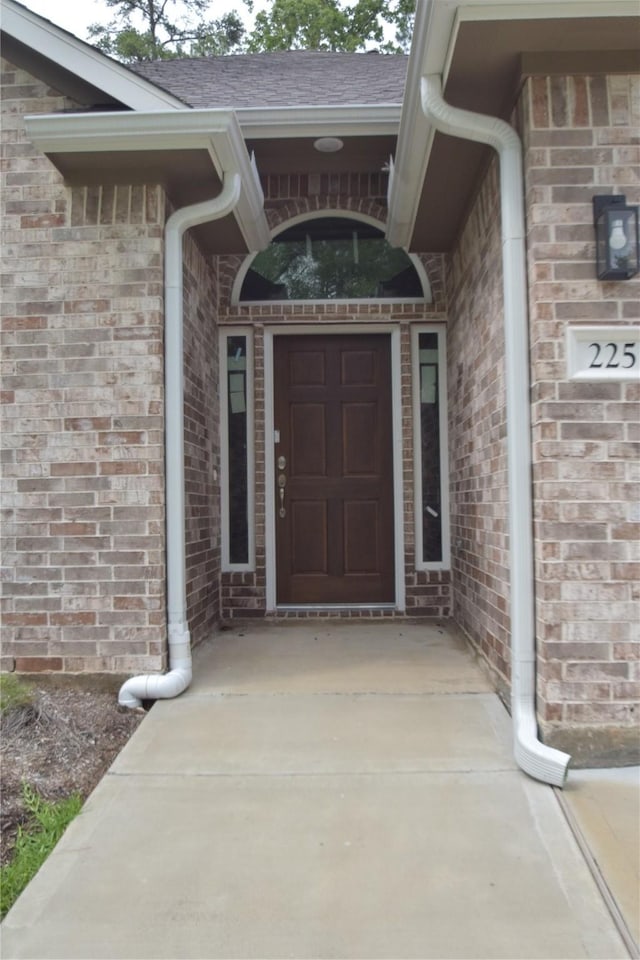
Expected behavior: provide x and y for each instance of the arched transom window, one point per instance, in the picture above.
(332, 258)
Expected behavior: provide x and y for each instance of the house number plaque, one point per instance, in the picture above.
(603, 353)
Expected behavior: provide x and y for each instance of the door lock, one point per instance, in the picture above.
(282, 482)
(282, 462)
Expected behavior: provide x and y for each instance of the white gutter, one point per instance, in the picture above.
(352, 120)
(163, 686)
(535, 758)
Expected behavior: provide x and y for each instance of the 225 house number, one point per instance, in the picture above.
(613, 356)
(603, 353)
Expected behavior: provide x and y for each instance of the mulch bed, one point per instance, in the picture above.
(61, 744)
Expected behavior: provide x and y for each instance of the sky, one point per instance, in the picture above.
(76, 15)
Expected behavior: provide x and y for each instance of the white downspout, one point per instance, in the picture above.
(171, 684)
(535, 758)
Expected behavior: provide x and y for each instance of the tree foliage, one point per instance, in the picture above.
(331, 25)
(164, 29)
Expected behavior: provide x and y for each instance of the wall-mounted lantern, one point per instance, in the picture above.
(617, 237)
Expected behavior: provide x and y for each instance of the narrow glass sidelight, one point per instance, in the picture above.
(430, 437)
(237, 452)
(430, 448)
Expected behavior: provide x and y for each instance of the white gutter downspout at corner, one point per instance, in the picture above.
(535, 758)
(173, 683)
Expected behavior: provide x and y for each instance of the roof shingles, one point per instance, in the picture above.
(282, 79)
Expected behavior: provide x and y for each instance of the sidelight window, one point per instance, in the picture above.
(430, 446)
(237, 450)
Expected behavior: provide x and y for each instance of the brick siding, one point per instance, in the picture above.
(202, 448)
(83, 501)
(477, 432)
(581, 138)
(83, 429)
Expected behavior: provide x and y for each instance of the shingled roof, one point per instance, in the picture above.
(282, 79)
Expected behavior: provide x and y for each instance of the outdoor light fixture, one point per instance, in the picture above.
(328, 144)
(617, 238)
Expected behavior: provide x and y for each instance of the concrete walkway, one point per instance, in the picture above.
(320, 791)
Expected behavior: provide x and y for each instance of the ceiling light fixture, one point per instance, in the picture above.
(328, 144)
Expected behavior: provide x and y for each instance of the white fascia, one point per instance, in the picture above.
(216, 131)
(435, 33)
(319, 121)
(545, 10)
(434, 22)
(85, 61)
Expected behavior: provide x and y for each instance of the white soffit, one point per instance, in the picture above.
(478, 10)
(81, 59)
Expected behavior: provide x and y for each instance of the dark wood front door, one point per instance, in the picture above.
(334, 469)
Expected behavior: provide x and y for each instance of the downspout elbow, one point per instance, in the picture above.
(155, 686)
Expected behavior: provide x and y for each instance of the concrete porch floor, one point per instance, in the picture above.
(322, 790)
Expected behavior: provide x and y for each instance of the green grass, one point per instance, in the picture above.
(14, 693)
(34, 842)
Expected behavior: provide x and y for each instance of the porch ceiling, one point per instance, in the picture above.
(366, 153)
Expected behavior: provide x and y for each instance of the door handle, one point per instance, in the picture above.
(282, 482)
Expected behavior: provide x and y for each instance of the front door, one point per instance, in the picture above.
(334, 469)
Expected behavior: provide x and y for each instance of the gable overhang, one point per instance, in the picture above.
(187, 152)
(483, 52)
(67, 63)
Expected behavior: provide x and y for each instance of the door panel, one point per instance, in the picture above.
(361, 540)
(359, 423)
(307, 431)
(309, 535)
(334, 521)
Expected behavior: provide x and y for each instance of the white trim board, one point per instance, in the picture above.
(83, 60)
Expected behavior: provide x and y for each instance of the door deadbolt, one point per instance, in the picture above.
(282, 462)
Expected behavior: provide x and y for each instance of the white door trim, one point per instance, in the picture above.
(269, 456)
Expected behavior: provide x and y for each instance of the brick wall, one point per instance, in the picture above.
(581, 139)
(82, 437)
(477, 432)
(202, 449)
(244, 593)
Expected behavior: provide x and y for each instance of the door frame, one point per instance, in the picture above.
(269, 457)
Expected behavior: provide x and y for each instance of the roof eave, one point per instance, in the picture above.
(431, 35)
(77, 57)
(434, 39)
(215, 131)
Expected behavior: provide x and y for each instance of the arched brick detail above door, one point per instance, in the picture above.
(280, 212)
